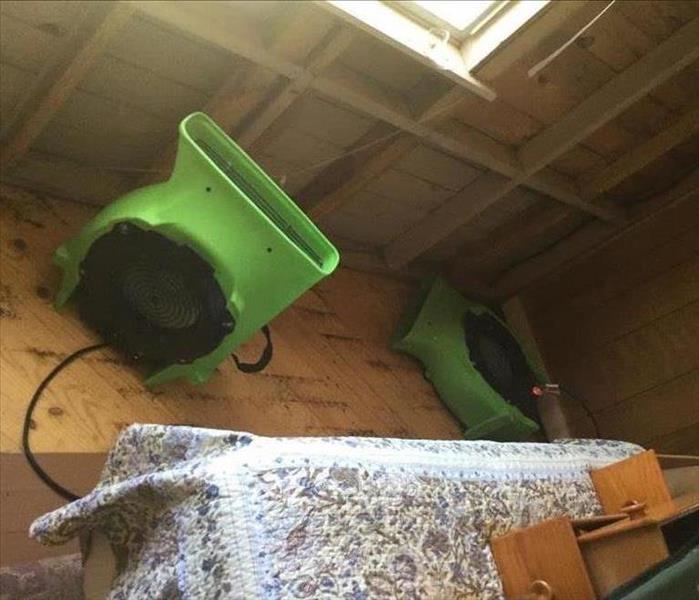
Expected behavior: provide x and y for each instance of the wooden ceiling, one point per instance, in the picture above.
(401, 167)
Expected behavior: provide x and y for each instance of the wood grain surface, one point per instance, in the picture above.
(333, 372)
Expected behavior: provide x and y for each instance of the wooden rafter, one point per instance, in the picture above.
(326, 198)
(596, 184)
(219, 107)
(225, 105)
(589, 238)
(361, 177)
(321, 58)
(380, 162)
(657, 66)
(350, 90)
(682, 129)
(63, 81)
(613, 98)
(513, 236)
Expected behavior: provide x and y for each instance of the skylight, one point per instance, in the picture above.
(453, 36)
(459, 14)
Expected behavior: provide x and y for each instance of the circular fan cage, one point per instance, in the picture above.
(497, 356)
(153, 298)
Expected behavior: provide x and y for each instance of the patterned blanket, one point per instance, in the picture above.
(206, 514)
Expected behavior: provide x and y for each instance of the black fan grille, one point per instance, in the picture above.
(497, 356)
(154, 298)
(160, 295)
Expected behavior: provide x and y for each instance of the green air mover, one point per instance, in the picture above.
(180, 273)
(475, 363)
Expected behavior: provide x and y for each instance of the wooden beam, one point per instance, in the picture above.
(364, 175)
(555, 26)
(321, 58)
(65, 80)
(219, 107)
(657, 66)
(550, 182)
(596, 184)
(613, 98)
(510, 238)
(640, 156)
(236, 91)
(589, 238)
(68, 179)
(350, 90)
(381, 161)
(459, 209)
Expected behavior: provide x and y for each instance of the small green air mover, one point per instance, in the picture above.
(475, 363)
(178, 274)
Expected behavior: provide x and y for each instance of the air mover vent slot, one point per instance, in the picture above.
(258, 200)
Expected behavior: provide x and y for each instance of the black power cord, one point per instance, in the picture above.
(31, 459)
(558, 389)
(263, 361)
(581, 402)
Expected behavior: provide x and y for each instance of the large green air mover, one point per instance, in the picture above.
(475, 363)
(178, 274)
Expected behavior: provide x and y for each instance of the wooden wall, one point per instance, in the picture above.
(620, 328)
(333, 372)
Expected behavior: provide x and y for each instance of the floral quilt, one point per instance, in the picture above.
(206, 514)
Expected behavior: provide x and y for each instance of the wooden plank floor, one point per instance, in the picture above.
(332, 373)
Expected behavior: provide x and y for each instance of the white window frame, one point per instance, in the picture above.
(398, 27)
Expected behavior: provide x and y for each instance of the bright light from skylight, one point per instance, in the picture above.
(458, 14)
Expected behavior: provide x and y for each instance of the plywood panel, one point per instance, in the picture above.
(659, 20)
(408, 191)
(94, 147)
(64, 178)
(682, 90)
(616, 40)
(55, 17)
(24, 46)
(567, 81)
(652, 180)
(597, 323)
(327, 121)
(116, 119)
(382, 63)
(289, 176)
(611, 140)
(434, 166)
(15, 82)
(678, 441)
(332, 372)
(578, 161)
(25, 498)
(624, 261)
(300, 148)
(646, 117)
(498, 119)
(643, 359)
(171, 56)
(619, 329)
(123, 82)
(652, 417)
(368, 220)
